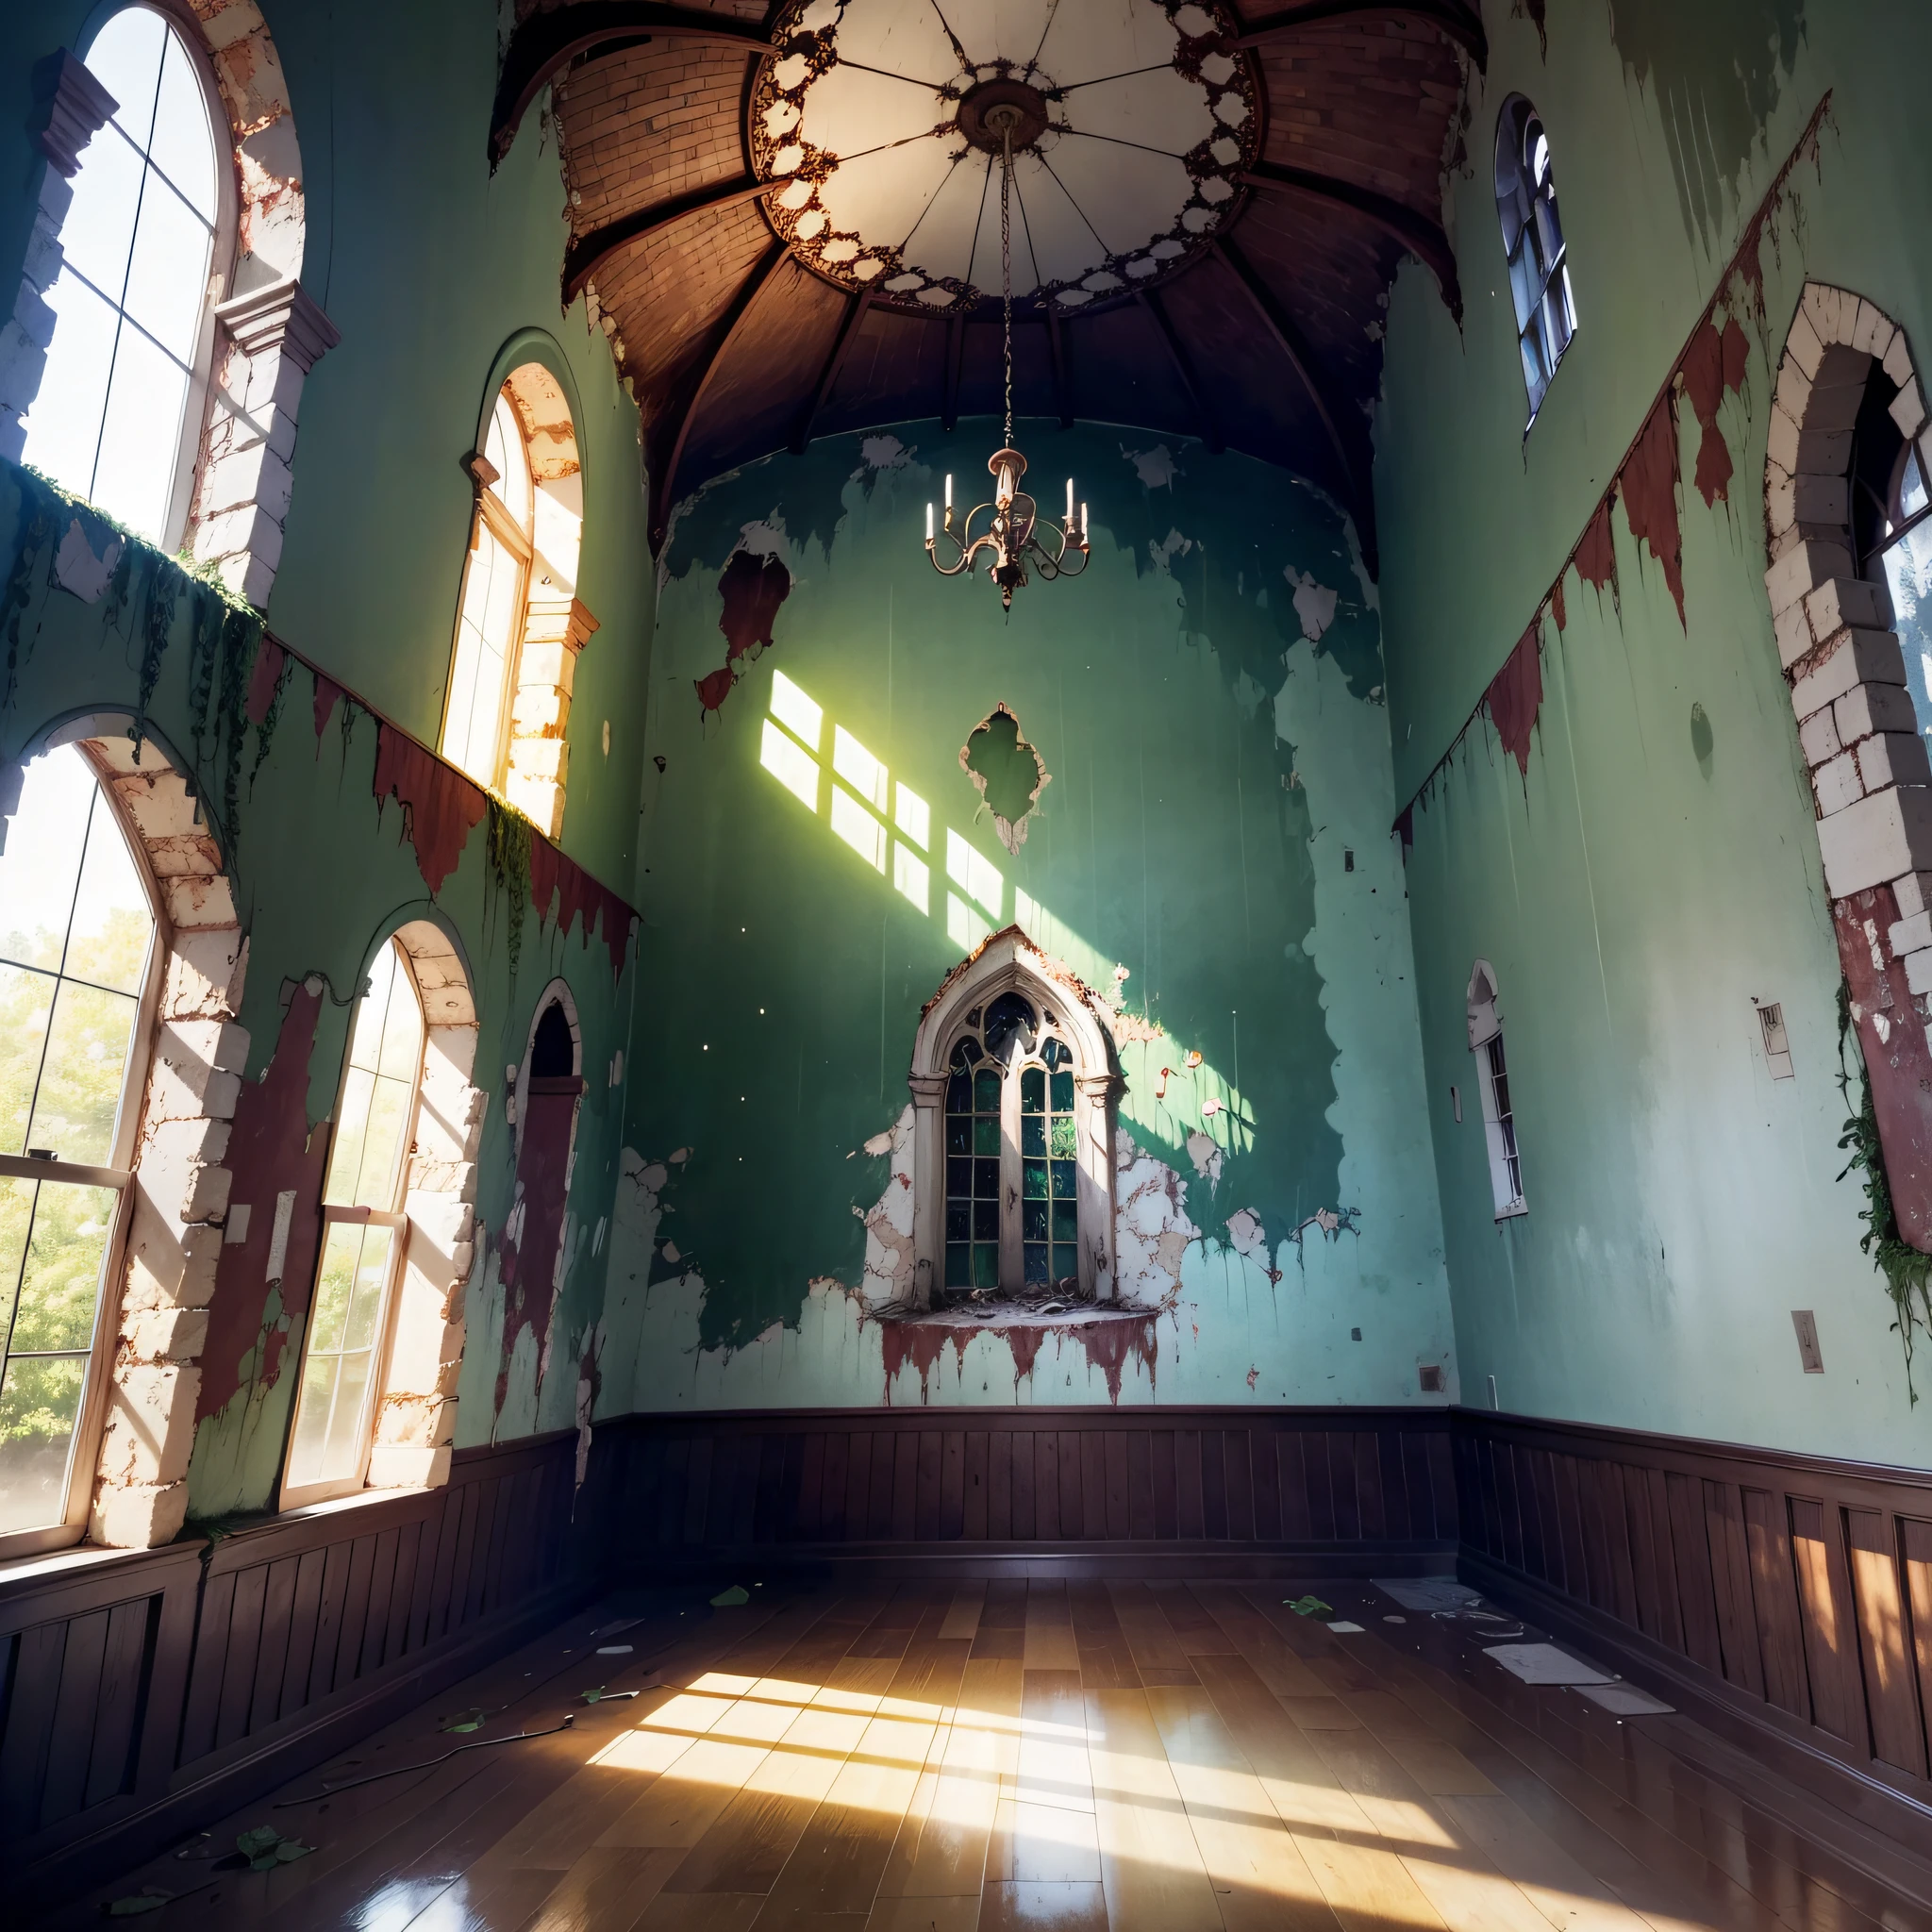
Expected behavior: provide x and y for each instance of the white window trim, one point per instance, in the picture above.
(1484, 1028)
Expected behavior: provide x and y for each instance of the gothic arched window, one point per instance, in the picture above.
(1012, 1169)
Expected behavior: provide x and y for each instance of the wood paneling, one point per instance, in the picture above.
(1340, 1484)
(1787, 1592)
(134, 1688)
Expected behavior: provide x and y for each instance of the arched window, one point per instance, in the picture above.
(76, 946)
(1012, 1175)
(1493, 1073)
(1892, 530)
(363, 1236)
(519, 626)
(118, 413)
(1014, 1082)
(1533, 243)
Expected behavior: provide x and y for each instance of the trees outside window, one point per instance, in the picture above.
(76, 948)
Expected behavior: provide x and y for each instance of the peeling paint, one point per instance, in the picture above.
(1007, 773)
(440, 806)
(753, 590)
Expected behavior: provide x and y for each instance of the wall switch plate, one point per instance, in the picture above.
(1806, 1323)
(1777, 1045)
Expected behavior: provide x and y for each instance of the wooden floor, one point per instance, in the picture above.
(927, 1758)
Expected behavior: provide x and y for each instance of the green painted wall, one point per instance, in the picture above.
(1633, 896)
(427, 265)
(1212, 769)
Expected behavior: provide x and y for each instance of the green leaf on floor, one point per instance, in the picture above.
(730, 1599)
(149, 1901)
(590, 1696)
(467, 1721)
(265, 1848)
(1309, 1606)
(253, 1842)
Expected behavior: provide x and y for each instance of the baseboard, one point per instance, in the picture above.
(1894, 1806)
(1114, 1561)
(129, 1839)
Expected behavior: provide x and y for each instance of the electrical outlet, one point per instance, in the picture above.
(1777, 1045)
(1431, 1374)
(1806, 1323)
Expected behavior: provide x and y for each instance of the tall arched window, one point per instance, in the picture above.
(118, 413)
(1533, 243)
(363, 1236)
(520, 626)
(1492, 1074)
(76, 946)
(1012, 1175)
(1014, 1082)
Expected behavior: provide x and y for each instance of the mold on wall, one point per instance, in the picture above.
(1211, 852)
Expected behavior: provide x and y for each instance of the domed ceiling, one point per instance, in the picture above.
(787, 220)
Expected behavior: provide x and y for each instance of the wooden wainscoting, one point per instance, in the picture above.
(1784, 1600)
(1044, 1491)
(143, 1692)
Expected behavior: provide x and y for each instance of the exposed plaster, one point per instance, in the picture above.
(1009, 774)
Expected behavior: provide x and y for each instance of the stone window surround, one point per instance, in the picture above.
(555, 625)
(268, 332)
(161, 1287)
(1856, 724)
(1009, 961)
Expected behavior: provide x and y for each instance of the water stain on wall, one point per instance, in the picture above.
(1717, 70)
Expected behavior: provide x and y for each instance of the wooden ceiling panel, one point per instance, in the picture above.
(735, 349)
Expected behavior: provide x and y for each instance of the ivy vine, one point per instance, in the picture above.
(18, 592)
(509, 870)
(1907, 1272)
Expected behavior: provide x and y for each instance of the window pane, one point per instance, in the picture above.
(1063, 1183)
(312, 1419)
(1033, 1133)
(99, 230)
(59, 1288)
(39, 1403)
(352, 1129)
(372, 1277)
(141, 438)
(506, 451)
(16, 1223)
(63, 425)
(167, 278)
(40, 866)
(483, 640)
(80, 1079)
(183, 146)
(125, 59)
(26, 1004)
(114, 924)
(334, 1287)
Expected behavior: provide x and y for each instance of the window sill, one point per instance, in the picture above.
(970, 1319)
(1515, 1211)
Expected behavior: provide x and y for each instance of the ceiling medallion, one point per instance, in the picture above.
(1016, 534)
(1132, 126)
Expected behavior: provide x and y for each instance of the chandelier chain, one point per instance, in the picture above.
(1006, 265)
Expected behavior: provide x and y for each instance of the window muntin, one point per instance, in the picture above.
(363, 1234)
(1012, 1168)
(1533, 244)
(76, 942)
(1499, 1113)
(489, 630)
(111, 415)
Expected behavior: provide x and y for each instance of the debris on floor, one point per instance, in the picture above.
(730, 1599)
(1625, 1700)
(1342, 1627)
(1543, 1663)
(1309, 1606)
(1426, 1593)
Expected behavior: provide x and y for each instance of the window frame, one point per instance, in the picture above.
(1500, 1141)
(91, 1419)
(224, 252)
(490, 511)
(300, 1495)
(1517, 115)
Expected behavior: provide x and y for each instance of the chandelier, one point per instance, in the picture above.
(1015, 534)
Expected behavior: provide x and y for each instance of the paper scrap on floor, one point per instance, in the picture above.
(1625, 1700)
(1543, 1663)
(1425, 1593)
(1341, 1627)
